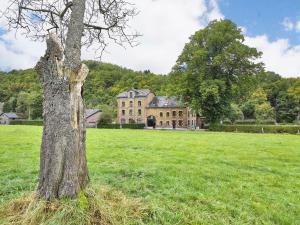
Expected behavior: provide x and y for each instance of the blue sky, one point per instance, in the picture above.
(264, 17)
(271, 26)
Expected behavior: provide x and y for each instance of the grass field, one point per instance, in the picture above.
(183, 177)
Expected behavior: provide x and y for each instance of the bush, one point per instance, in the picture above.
(105, 119)
(227, 122)
(253, 122)
(125, 126)
(27, 122)
(267, 122)
(291, 129)
(246, 122)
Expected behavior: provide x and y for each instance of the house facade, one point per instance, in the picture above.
(92, 117)
(143, 107)
(6, 118)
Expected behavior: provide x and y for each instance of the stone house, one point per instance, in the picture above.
(143, 106)
(6, 118)
(92, 117)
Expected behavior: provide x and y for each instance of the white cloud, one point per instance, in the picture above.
(279, 56)
(288, 24)
(165, 24)
(17, 52)
(298, 26)
(215, 12)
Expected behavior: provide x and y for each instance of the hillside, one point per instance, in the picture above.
(105, 81)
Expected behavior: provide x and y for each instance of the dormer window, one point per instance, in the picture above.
(131, 94)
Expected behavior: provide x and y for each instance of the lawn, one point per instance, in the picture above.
(183, 177)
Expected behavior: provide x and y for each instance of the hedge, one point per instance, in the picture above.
(252, 122)
(125, 126)
(291, 129)
(27, 122)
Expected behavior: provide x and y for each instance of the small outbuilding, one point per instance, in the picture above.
(92, 117)
(6, 118)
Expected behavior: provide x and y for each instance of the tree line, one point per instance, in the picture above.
(216, 74)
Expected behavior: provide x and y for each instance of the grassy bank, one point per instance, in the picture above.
(183, 177)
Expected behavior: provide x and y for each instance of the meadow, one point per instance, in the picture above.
(183, 177)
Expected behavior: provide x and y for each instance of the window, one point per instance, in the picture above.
(180, 123)
(131, 104)
(131, 95)
(168, 123)
(188, 113)
(161, 123)
(123, 104)
(130, 112)
(123, 113)
(180, 113)
(161, 114)
(188, 122)
(123, 121)
(139, 121)
(168, 114)
(139, 103)
(174, 113)
(140, 112)
(192, 122)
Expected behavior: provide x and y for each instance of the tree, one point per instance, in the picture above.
(263, 108)
(105, 119)
(210, 64)
(10, 105)
(67, 26)
(25, 103)
(294, 94)
(235, 113)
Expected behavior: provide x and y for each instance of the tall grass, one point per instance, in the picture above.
(101, 206)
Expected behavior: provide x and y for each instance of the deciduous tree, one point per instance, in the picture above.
(214, 60)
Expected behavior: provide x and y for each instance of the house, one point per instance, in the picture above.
(92, 117)
(6, 118)
(143, 107)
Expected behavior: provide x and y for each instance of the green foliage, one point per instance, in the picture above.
(289, 129)
(10, 105)
(213, 60)
(21, 90)
(235, 113)
(182, 177)
(253, 121)
(131, 121)
(106, 118)
(27, 122)
(124, 126)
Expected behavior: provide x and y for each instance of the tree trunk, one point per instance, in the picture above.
(63, 168)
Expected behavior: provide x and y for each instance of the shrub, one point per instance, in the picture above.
(125, 126)
(253, 122)
(291, 129)
(27, 122)
(246, 122)
(105, 119)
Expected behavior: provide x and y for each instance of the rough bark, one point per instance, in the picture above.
(63, 168)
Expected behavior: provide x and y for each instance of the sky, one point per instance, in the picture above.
(272, 26)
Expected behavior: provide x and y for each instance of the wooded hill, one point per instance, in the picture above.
(21, 89)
